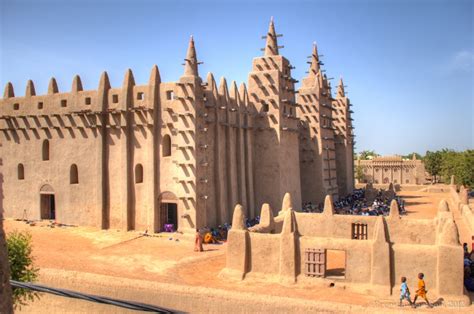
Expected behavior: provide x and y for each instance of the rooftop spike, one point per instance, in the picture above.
(286, 204)
(234, 93)
(8, 93)
(223, 87)
(243, 94)
(191, 63)
(238, 218)
(53, 86)
(449, 235)
(129, 80)
(76, 84)
(30, 89)
(394, 210)
(314, 67)
(271, 45)
(443, 206)
(155, 78)
(340, 88)
(328, 205)
(104, 82)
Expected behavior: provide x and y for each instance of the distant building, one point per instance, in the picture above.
(175, 153)
(392, 169)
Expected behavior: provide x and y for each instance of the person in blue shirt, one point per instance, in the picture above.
(404, 291)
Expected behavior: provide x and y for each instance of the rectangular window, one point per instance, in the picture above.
(359, 231)
(88, 101)
(16, 106)
(64, 103)
(169, 95)
(115, 99)
(140, 96)
(40, 105)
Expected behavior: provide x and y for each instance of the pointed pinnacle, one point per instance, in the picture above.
(190, 63)
(271, 45)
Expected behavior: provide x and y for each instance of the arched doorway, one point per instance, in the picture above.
(166, 215)
(47, 203)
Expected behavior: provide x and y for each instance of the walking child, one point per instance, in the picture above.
(421, 292)
(404, 291)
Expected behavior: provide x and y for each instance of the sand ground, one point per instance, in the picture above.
(169, 258)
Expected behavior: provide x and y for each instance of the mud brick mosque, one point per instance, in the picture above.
(184, 153)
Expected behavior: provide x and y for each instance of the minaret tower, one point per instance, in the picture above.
(187, 131)
(344, 140)
(317, 150)
(271, 89)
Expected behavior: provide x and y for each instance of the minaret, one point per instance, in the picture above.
(316, 141)
(271, 90)
(344, 140)
(188, 130)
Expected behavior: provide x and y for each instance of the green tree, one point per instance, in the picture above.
(21, 266)
(433, 162)
(365, 154)
(410, 156)
(459, 164)
(359, 174)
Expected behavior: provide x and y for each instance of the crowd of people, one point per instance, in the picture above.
(468, 268)
(357, 204)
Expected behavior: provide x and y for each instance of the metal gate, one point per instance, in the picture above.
(315, 262)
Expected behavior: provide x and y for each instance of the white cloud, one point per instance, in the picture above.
(462, 61)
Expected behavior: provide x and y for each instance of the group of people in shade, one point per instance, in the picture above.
(217, 235)
(420, 292)
(468, 268)
(357, 204)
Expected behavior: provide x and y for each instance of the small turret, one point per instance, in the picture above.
(191, 63)
(8, 93)
(76, 84)
(271, 45)
(53, 86)
(30, 89)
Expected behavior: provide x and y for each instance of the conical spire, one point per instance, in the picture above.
(30, 89)
(314, 67)
(155, 78)
(340, 89)
(53, 86)
(191, 63)
(443, 206)
(328, 205)
(238, 218)
(76, 84)
(128, 80)
(394, 210)
(8, 93)
(271, 45)
(104, 83)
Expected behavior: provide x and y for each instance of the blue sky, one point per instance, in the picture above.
(408, 64)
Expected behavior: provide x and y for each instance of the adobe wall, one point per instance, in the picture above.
(275, 249)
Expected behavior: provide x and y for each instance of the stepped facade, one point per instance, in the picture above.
(179, 153)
